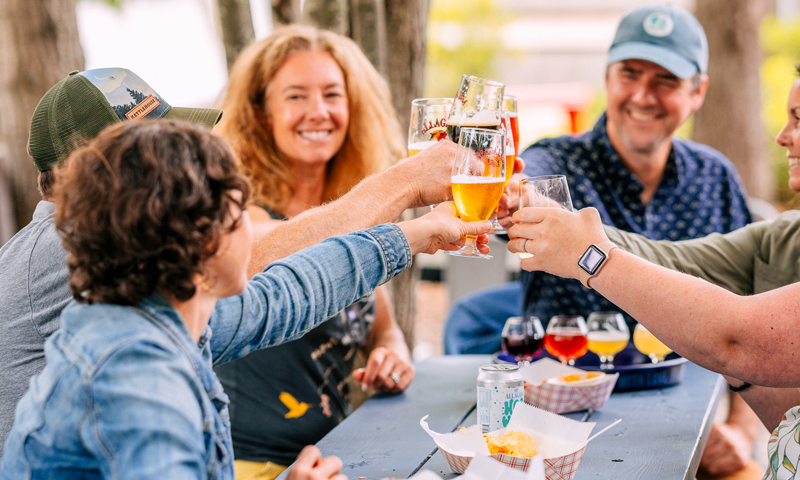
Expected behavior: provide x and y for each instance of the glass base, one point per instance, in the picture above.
(497, 229)
(468, 252)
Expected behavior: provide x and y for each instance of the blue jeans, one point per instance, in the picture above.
(476, 321)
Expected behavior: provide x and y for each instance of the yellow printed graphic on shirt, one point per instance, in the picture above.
(296, 409)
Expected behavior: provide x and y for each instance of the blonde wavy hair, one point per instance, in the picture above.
(373, 140)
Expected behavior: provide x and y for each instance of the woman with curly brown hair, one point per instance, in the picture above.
(309, 118)
(153, 217)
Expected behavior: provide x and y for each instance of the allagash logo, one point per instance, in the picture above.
(436, 129)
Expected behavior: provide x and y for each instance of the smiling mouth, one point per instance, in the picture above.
(794, 161)
(642, 117)
(316, 135)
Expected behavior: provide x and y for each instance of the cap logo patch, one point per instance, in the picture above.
(143, 108)
(658, 24)
(127, 94)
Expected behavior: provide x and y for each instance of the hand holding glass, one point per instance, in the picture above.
(477, 178)
(549, 191)
(566, 338)
(523, 338)
(608, 335)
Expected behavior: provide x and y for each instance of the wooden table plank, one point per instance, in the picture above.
(382, 438)
(662, 434)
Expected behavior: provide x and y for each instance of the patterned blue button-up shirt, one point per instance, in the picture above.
(700, 193)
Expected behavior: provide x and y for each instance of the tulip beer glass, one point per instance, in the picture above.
(477, 178)
(565, 338)
(478, 103)
(523, 338)
(648, 344)
(428, 123)
(608, 335)
(510, 106)
(544, 191)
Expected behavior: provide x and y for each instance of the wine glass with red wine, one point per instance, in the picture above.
(523, 338)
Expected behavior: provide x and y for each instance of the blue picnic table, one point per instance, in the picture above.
(661, 437)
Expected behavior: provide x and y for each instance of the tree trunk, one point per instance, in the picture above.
(39, 46)
(730, 119)
(7, 223)
(368, 30)
(237, 27)
(333, 15)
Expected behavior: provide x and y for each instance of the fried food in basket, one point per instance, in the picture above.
(577, 377)
(516, 444)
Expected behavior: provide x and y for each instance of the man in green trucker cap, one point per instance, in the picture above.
(33, 265)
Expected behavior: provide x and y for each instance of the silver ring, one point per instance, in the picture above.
(394, 376)
(525, 246)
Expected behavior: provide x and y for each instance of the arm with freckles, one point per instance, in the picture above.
(710, 326)
(421, 180)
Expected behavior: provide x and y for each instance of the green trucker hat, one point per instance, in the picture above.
(78, 107)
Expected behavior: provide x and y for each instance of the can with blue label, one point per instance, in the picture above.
(500, 387)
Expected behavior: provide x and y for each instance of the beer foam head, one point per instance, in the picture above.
(475, 179)
(421, 145)
(483, 118)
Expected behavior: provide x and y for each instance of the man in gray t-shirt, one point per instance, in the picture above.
(34, 278)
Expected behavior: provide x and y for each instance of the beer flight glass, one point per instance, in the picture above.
(510, 106)
(428, 123)
(608, 335)
(477, 178)
(565, 338)
(523, 338)
(648, 344)
(549, 191)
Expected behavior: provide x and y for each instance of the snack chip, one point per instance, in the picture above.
(516, 444)
(576, 377)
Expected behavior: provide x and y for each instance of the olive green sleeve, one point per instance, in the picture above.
(725, 260)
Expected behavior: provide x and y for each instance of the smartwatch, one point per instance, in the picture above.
(593, 260)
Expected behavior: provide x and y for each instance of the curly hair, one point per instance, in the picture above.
(373, 142)
(142, 207)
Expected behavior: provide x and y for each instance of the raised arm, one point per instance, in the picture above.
(724, 260)
(294, 294)
(745, 337)
(421, 180)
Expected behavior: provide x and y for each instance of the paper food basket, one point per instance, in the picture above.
(563, 398)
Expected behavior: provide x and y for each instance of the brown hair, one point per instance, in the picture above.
(142, 206)
(45, 182)
(373, 141)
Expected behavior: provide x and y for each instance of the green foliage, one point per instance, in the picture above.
(463, 37)
(780, 41)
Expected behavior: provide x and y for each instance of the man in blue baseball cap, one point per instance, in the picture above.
(640, 178)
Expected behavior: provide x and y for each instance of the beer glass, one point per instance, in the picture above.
(523, 338)
(428, 123)
(511, 157)
(478, 103)
(510, 106)
(565, 338)
(477, 178)
(608, 335)
(544, 191)
(648, 344)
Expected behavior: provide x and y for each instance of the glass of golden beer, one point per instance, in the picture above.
(608, 335)
(478, 103)
(549, 191)
(478, 176)
(510, 106)
(648, 344)
(505, 127)
(428, 123)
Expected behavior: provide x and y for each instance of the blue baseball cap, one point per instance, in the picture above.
(666, 35)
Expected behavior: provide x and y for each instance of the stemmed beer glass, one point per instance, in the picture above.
(608, 335)
(565, 338)
(505, 127)
(479, 171)
(510, 106)
(428, 123)
(478, 103)
(648, 344)
(523, 338)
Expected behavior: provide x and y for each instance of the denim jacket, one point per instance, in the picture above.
(126, 392)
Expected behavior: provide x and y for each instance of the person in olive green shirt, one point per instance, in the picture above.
(747, 330)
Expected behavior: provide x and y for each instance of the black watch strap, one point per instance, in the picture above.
(741, 387)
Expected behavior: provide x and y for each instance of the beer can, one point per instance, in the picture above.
(500, 387)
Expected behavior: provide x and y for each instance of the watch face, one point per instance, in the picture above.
(591, 259)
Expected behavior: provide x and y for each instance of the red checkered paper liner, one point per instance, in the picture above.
(559, 468)
(565, 399)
